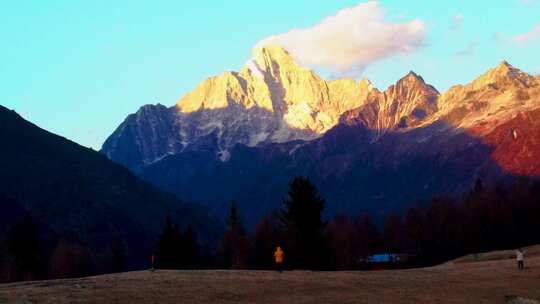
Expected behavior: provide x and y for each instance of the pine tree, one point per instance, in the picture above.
(414, 230)
(393, 233)
(118, 255)
(70, 259)
(369, 237)
(342, 239)
(302, 216)
(190, 249)
(3, 264)
(169, 247)
(24, 250)
(234, 246)
(478, 186)
(268, 235)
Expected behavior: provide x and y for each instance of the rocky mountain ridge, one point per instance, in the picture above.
(273, 100)
(246, 134)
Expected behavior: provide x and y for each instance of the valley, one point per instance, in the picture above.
(263, 152)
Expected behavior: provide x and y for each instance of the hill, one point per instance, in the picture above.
(76, 193)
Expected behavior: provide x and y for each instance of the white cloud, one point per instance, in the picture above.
(352, 39)
(527, 37)
(468, 51)
(525, 2)
(500, 37)
(458, 21)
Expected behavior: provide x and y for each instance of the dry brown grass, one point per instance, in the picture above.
(530, 252)
(464, 281)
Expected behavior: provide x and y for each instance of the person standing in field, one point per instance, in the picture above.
(520, 259)
(278, 256)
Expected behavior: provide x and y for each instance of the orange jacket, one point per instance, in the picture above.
(278, 255)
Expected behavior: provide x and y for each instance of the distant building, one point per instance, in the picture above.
(386, 258)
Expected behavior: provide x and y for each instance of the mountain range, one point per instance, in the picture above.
(243, 135)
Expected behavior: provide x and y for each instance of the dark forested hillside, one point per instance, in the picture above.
(81, 196)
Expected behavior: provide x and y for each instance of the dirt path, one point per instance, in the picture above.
(465, 282)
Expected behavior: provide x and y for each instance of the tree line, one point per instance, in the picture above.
(27, 254)
(503, 216)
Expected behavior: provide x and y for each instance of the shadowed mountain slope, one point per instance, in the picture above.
(79, 193)
(367, 150)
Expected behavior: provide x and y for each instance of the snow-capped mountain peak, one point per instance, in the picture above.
(503, 74)
(272, 99)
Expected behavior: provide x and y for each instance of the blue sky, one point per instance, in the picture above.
(78, 68)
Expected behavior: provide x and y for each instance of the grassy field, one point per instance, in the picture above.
(485, 278)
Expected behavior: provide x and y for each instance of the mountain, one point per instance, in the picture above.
(78, 193)
(405, 104)
(367, 150)
(272, 99)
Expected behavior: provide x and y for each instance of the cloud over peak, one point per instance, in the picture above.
(351, 40)
(527, 37)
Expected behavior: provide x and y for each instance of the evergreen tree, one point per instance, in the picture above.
(118, 255)
(24, 251)
(234, 246)
(413, 229)
(342, 238)
(302, 216)
(369, 237)
(190, 249)
(444, 230)
(478, 186)
(169, 248)
(268, 235)
(393, 234)
(70, 259)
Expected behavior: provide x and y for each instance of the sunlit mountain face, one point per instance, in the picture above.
(243, 135)
(272, 99)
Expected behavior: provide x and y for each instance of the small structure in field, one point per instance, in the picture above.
(386, 260)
